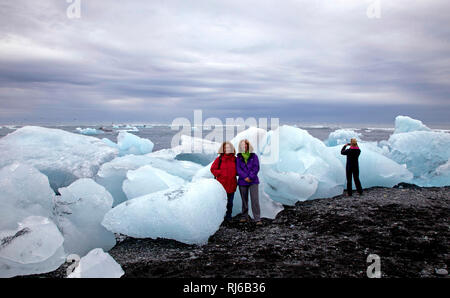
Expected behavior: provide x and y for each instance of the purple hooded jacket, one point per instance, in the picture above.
(249, 170)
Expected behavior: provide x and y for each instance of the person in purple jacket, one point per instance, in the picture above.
(247, 168)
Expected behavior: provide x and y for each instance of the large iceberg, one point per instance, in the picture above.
(62, 156)
(189, 213)
(97, 264)
(112, 174)
(35, 246)
(79, 212)
(128, 143)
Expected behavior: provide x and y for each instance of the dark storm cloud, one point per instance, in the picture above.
(155, 60)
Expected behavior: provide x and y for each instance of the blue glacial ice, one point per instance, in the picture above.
(62, 156)
(79, 211)
(305, 169)
(341, 137)
(189, 213)
(112, 174)
(148, 179)
(408, 124)
(128, 143)
(424, 152)
(24, 192)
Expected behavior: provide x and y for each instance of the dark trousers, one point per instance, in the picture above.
(254, 196)
(353, 171)
(230, 197)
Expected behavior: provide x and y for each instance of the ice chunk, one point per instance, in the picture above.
(375, 169)
(112, 174)
(305, 169)
(97, 264)
(422, 152)
(148, 179)
(341, 137)
(35, 246)
(128, 143)
(79, 212)
(407, 124)
(89, 131)
(24, 191)
(289, 187)
(189, 213)
(62, 156)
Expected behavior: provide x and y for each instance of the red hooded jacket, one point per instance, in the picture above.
(226, 175)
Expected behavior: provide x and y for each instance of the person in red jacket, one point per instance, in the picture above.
(224, 170)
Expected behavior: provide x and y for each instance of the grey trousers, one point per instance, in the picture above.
(244, 189)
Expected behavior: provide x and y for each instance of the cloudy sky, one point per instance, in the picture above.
(322, 61)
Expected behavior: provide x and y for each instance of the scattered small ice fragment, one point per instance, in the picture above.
(97, 264)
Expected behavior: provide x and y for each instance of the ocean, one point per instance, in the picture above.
(161, 134)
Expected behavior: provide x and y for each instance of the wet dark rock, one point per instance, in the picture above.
(407, 227)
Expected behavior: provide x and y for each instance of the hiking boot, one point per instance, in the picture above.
(243, 220)
(259, 223)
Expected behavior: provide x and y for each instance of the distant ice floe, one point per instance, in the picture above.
(89, 131)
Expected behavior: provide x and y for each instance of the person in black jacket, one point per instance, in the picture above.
(352, 167)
